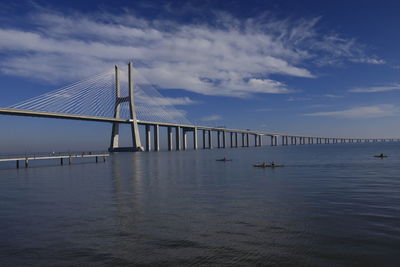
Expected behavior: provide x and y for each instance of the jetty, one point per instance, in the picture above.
(62, 158)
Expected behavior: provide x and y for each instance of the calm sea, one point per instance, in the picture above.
(331, 205)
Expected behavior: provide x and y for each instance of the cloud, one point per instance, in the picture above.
(377, 111)
(165, 101)
(297, 99)
(375, 89)
(332, 96)
(212, 118)
(374, 61)
(223, 56)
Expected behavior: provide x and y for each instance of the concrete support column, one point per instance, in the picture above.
(283, 140)
(136, 143)
(209, 139)
(231, 139)
(272, 140)
(223, 139)
(148, 138)
(247, 139)
(255, 140)
(204, 139)
(195, 138)
(169, 138)
(184, 139)
(243, 139)
(156, 129)
(260, 140)
(236, 140)
(178, 137)
(276, 140)
(219, 139)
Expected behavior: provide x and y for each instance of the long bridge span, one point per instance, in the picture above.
(237, 137)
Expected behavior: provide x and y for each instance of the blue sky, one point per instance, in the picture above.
(305, 67)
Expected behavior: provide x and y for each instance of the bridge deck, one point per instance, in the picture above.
(41, 114)
(16, 112)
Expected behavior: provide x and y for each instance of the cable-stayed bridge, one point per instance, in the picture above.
(110, 97)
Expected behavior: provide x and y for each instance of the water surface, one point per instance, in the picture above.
(330, 205)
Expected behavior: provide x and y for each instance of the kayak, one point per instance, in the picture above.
(223, 159)
(380, 156)
(267, 165)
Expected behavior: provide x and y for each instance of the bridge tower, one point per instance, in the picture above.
(136, 143)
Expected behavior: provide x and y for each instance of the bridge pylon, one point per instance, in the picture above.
(136, 143)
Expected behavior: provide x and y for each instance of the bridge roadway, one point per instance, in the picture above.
(286, 139)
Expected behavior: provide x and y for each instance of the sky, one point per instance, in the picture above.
(326, 68)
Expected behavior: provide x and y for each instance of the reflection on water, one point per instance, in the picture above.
(329, 205)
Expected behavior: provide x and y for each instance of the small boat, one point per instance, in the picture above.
(264, 165)
(224, 159)
(381, 156)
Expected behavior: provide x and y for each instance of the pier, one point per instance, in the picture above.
(63, 159)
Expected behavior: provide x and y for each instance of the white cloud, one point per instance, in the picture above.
(298, 99)
(332, 96)
(376, 111)
(165, 101)
(374, 89)
(212, 118)
(235, 58)
(375, 61)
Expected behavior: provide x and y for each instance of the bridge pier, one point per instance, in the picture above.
(169, 138)
(231, 133)
(178, 138)
(148, 138)
(204, 139)
(223, 139)
(209, 139)
(236, 139)
(156, 129)
(184, 138)
(195, 138)
(218, 139)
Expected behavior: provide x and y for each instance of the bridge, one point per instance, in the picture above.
(92, 100)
